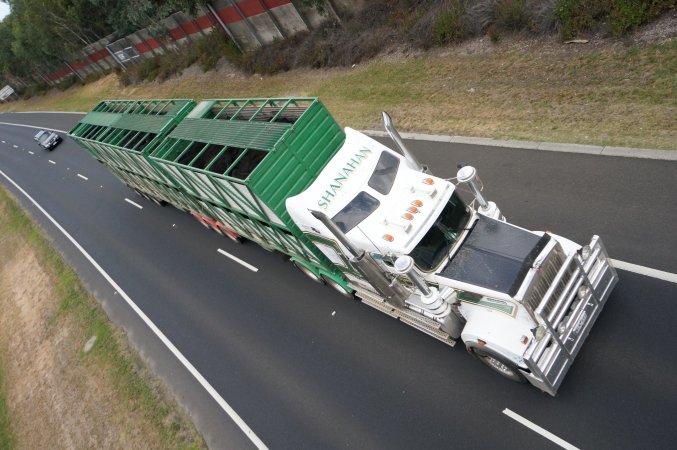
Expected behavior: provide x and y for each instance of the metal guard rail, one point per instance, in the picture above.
(568, 318)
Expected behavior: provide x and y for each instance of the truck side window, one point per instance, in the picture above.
(385, 172)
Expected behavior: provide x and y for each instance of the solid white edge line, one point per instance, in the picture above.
(238, 260)
(32, 126)
(49, 112)
(83, 177)
(193, 371)
(646, 271)
(133, 203)
(52, 162)
(543, 432)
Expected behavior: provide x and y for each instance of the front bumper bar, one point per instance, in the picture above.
(566, 315)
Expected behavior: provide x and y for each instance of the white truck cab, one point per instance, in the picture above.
(523, 302)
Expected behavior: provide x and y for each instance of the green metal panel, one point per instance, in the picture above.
(233, 160)
(297, 160)
(258, 135)
(100, 118)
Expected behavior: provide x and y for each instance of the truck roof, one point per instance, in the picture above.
(385, 219)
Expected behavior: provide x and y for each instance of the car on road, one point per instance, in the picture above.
(47, 139)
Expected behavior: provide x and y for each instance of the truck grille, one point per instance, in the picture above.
(544, 279)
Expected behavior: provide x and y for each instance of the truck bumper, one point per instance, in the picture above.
(566, 315)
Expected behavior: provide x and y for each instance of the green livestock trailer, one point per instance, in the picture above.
(367, 220)
(231, 163)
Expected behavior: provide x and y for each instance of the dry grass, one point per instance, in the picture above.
(100, 399)
(595, 94)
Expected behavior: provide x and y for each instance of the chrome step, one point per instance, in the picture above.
(412, 318)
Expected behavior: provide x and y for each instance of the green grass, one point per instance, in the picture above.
(601, 95)
(110, 352)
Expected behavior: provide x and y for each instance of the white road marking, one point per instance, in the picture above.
(646, 271)
(15, 146)
(3, 142)
(83, 177)
(238, 260)
(49, 112)
(135, 204)
(172, 348)
(52, 162)
(545, 433)
(31, 126)
(31, 152)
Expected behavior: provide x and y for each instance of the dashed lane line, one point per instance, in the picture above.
(83, 177)
(52, 162)
(235, 417)
(133, 203)
(542, 431)
(238, 260)
(30, 152)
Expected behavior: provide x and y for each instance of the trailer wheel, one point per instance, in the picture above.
(498, 364)
(309, 273)
(337, 287)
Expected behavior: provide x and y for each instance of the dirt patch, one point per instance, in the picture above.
(57, 396)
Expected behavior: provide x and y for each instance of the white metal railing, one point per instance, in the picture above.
(566, 314)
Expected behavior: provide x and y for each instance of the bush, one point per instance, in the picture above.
(449, 26)
(628, 14)
(67, 82)
(543, 15)
(511, 15)
(575, 16)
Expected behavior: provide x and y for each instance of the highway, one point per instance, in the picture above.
(306, 368)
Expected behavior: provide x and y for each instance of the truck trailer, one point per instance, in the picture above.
(369, 221)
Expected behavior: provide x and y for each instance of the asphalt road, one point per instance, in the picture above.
(306, 368)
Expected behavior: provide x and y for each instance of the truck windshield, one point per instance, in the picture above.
(384, 174)
(355, 212)
(44, 137)
(437, 242)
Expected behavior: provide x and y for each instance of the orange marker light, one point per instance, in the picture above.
(412, 209)
(388, 237)
(428, 181)
(408, 216)
(417, 203)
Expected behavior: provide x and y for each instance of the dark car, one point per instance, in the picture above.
(47, 139)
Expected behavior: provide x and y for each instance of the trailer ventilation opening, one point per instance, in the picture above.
(247, 164)
(224, 161)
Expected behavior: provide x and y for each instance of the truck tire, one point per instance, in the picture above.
(337, 287)
(309, 273)
(498, 364)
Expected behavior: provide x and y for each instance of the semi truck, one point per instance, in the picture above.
(370, 221)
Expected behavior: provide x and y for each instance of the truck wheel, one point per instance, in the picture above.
(309, 273)
(337, 287)
(498, 363)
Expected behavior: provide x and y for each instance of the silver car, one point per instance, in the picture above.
(47, 139)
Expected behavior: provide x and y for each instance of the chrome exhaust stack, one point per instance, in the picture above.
(468, 175)
(393, 292)
(395, 136)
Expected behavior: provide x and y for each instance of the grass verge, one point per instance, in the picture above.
(606, 94)
(111, 365)
(6, 436)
